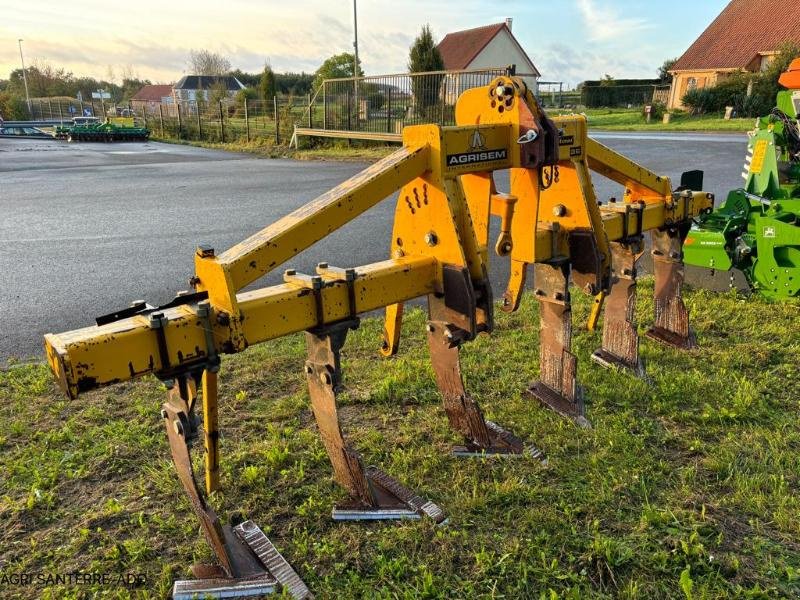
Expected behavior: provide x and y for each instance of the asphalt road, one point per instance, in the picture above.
(87, 228)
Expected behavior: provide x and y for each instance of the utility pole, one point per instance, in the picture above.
(355, 40)
(25, 78)
(355, 56)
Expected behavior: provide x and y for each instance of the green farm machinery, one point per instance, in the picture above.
(111, 130)
(757, 229)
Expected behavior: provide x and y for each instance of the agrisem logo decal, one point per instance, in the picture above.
(471, 158)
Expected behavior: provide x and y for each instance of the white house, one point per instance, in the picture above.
(487, 47)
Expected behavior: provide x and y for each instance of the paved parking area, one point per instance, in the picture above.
(86, 228)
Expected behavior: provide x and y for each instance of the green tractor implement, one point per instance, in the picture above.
(757, 229)
(111, 130)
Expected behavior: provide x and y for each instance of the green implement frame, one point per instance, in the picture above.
(757, 228)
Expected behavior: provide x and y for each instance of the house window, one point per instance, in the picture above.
(691, 83)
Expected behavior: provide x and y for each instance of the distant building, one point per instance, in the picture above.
(486, 47)
(744, 37)
(150, 96)
(192, 88)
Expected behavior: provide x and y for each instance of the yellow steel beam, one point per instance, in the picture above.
(92, 357)
(641, 183)
(224, 275)
(679, 208)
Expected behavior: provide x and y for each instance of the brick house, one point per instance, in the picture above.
(487, 47)
(150, 96)
(744, 37)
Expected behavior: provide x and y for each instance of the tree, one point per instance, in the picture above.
(338, 65)
(607, 81)
(424, 57)
(663, 71)
(766, 83)
(218, 92)
(266, 86)
(205, 62)
(131, 86)
(294, 83)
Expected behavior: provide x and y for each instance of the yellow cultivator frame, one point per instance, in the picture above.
(440, 250)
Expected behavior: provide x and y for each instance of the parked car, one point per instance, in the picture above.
(23, 132)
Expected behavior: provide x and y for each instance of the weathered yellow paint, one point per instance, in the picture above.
(594, 314)
(264, 251)
(681, 207)
(641, 184)
(210, 429)
(96, 356)
(441, 218)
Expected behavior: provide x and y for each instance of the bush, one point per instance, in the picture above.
(657, 110)
(752, 106)
(732, 91)
(699, 101)
(716, 98)
(13, 107)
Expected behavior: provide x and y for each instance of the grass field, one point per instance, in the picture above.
(621, 119)
(686, 487)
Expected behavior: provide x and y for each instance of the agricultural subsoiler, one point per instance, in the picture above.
(757, 229)
(439, 250)
(122, 129)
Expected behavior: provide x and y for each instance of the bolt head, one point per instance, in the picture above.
(431, 239)
(559, 210)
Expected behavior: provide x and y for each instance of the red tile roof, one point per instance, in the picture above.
(153, 93)
(743, 30)
(460, 48)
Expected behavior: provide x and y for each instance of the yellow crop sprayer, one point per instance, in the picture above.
(439, 250)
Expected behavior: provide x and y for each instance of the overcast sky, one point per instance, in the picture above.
(568, 40)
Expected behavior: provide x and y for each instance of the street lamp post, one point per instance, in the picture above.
(355, 58)
(355, 40)
(25, 78)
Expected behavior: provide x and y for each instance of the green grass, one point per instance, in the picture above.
(619, 119)
(687, 486)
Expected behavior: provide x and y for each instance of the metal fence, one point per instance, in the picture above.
(222, 121)
(379, 107)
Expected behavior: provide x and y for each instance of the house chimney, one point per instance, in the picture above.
(509, 22)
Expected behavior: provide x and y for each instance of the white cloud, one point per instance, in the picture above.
(605, 23)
